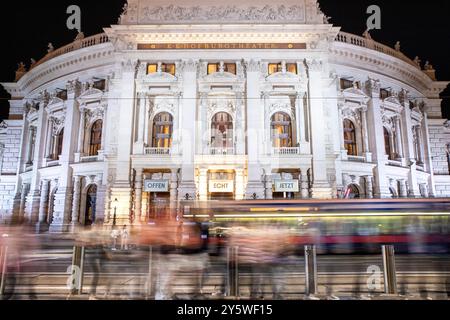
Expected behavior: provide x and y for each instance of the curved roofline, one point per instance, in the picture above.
(342, 37)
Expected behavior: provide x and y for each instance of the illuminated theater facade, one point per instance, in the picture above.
(204, 101)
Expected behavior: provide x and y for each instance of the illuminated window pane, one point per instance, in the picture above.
(291, 67)
(230, 67)
(273, 68)
(350, 138)
(152, 68)
(212, 67)
(169, 68)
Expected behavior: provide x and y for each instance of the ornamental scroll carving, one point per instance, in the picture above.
(148, 13)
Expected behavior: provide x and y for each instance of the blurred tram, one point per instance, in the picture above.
(413, 226)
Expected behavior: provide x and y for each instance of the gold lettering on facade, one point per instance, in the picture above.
(226, 46)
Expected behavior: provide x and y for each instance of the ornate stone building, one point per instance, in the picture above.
(210, 101)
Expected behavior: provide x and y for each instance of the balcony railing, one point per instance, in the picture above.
(76, 45)
(157, 151)
(221, 151)
(89, 159)
(286, 151)
(373, 45)
(356, 158)
(395, 163)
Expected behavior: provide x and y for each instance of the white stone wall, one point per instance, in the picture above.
(11, 153)
(439, 139)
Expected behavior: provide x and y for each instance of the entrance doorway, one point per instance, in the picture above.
(91, 200)
(221, 185)
(158, 205)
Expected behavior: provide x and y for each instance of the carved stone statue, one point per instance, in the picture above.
(417, 61)
(367, 35)
(50, 47)
(428, 66)
(397, 46)
(21, 67)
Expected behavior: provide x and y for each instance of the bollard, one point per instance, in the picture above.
(310, 270)
(3, 268)
(390, 278)
(78, 262)
(149, 277)
(232, 272)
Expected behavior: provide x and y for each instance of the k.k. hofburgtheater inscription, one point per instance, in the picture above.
(220, 46)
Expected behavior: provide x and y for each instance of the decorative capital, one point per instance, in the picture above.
(73, 87)
(252, 66)
(314, 65)
(373, 85)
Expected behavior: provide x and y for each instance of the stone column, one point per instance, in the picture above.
(81, 131)
(139, 145)
(138, 195)
(203, 184)
(173, 189)
(376, 143)
(365, 134)
(104, 124)
(369, 187)
(341, 132)
(188, 134)
(398, 140)
(239, 182)
(409, 150)
(124, 88)
(403, 192)
(43, 205)
(321, 188)
(255, 128)
(419, 145)
(269, 186)
(304, 184)
(300, 116)
(48, 146)
(63, 198)
(23, 198)
(76, 201)
(240, 125)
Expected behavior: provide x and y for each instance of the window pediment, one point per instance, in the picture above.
(90, 95)
(356, 95)
(159, 77)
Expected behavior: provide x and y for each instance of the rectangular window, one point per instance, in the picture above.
(346, 84)
(291, 67)
(168, 68)
(274, 68)
(165, 67)
(384, 93)
(227, 67)
(152, 68)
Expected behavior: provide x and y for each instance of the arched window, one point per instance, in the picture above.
(387, 143)
(281, 130)
(352, 192)
(58, 145)
(222, 131)
(162, 130)
(350, 138)
(95, 143)
(91, 199)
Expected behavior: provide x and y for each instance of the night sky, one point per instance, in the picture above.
(27, 27)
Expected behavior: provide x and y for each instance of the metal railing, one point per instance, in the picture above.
(157, 151)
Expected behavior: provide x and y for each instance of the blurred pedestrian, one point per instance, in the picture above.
(124, 235)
